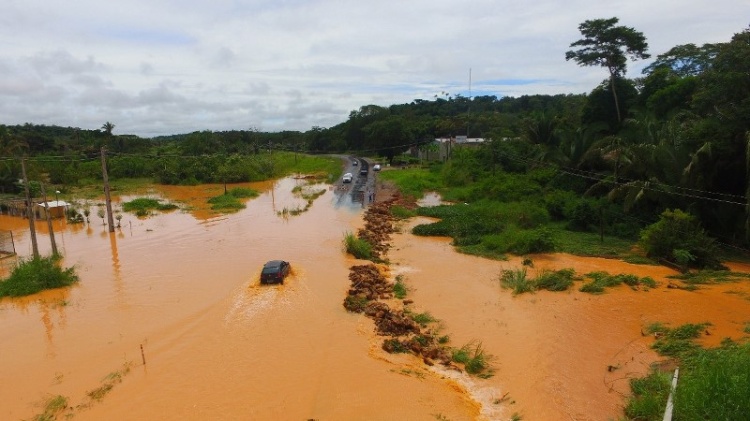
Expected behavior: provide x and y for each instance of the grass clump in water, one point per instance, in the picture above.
(355, 304)
(399, 288)
(230, 201)
(474, 359)
(423, 319)
(602, 280)
(53, 408)
(357, 247)
(143, 206)
(710, 277)
(35, 275)
(676, 342)
(243, 193)
(516, 280)
(559, 280)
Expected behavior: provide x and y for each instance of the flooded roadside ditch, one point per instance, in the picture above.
(219, 346)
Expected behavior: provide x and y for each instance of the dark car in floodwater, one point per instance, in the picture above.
(274, 272)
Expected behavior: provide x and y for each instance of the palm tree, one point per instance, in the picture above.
(108, 127)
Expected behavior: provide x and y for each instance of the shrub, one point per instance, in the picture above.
(533, 241)
(581, 215)
(557, 201)
(678, 238)
(37, 274)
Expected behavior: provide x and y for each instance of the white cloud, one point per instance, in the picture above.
(168, 66)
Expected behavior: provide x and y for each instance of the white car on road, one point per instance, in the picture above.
(347, 178)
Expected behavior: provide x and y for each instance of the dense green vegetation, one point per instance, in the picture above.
(713, 383)
(36, 274)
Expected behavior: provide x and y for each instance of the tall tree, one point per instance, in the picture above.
(607, 45)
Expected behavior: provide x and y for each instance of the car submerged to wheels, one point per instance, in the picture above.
(347, 178)
(274, 272)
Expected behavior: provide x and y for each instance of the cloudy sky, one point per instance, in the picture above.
(156, 67)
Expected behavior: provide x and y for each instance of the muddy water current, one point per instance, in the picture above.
(179, 291)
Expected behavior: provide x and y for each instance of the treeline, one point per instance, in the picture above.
(676, 138)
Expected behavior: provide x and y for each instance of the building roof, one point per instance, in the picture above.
(55, 204)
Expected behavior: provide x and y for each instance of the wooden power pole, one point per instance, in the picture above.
(107, 198)
(30, 210)
(49, 221)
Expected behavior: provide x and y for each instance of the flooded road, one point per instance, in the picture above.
(216, 345)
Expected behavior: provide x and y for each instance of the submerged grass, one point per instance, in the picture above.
(602, 280)
(53, 407)
(399, 288)
(474, 359)
(357, 247)
(516, 280)
(423, 319)
(676, 342)
(225, 202)
(35, 275)
(711, 277)
(143, 206)
(559, 280)
(230, 202)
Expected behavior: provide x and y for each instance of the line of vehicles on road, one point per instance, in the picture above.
(364, 170)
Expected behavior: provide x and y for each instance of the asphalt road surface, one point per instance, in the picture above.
(361, 191)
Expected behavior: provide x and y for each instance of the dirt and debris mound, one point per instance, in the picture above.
(370, 288)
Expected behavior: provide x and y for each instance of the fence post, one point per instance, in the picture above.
(670, 400)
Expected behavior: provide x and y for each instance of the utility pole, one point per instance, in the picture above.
(107, 198)
(29, 210)
(49, 222)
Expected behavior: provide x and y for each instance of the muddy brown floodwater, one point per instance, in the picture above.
(183, 285)
(216, 344)
(558, 355)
